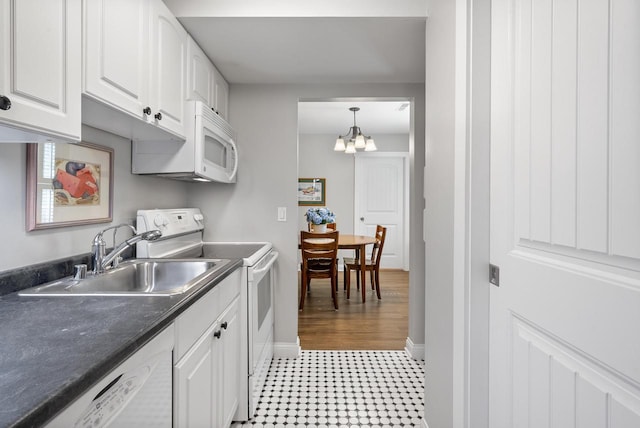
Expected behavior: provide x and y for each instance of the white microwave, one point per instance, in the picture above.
(208, 154)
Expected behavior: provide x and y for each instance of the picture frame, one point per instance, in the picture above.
(312, 191)
(68, 185)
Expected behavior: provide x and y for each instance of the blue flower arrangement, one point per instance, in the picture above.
(320, 216)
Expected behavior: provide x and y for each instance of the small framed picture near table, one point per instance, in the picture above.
(312, 191)
(68, 185)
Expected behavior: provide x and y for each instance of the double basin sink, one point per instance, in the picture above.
(138, 277)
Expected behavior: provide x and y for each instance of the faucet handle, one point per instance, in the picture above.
(80, 271)
(116, 261)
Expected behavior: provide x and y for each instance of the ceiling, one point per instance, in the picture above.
(313, 50)
(303, 50)
(374, 117)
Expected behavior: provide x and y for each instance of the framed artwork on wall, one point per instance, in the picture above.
(312, 191)
(68, 185)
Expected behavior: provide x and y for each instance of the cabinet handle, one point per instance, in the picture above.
(147, 110)
(158, 116)
(217, 334)
(224, 325)
(5, 103)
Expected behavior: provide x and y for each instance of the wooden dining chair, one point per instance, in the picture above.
(330, 227)
(372, 265)
(319, 260)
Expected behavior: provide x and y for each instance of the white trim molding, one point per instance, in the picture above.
(414, 350)
(287, 349)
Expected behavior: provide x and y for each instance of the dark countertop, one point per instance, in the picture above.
(52, 349)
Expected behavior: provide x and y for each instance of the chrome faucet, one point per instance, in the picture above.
(101, 261)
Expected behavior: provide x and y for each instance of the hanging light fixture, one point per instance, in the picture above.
(357, 140)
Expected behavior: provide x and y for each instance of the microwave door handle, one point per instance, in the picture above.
(235, 166)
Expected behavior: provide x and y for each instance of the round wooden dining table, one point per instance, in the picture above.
(359, 244)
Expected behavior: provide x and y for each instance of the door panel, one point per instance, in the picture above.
(566, 316)
(380, 199)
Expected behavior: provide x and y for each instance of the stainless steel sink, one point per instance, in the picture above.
(138, 277)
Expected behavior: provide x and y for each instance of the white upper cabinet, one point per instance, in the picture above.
(200, 72)
(117, 54)
(169, 69)
(40, 75)
(135, 55)
(221, 87)
(204, 81)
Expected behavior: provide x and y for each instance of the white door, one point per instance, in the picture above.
(565, 214)
(381, 186)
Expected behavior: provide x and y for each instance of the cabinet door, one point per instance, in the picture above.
(230, 374)
(40, 53)
(168, 90)
(199, 74)
(194, 384)
(116, 53)
(221, 93)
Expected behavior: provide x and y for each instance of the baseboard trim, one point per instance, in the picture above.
(414, 350)
(287, 349)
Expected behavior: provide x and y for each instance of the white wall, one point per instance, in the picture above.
(456, 215)
(439, 214)
(131, 192)
(316, 159)
(265, 117)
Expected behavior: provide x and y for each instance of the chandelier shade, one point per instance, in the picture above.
(354, 138)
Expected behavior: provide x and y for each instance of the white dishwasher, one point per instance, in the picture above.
(138, 393)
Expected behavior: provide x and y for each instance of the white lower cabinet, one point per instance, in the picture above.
(228, 364)
(206, 374)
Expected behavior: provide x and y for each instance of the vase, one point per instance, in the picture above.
(319, 228)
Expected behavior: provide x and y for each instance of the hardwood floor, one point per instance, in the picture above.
(375, 325)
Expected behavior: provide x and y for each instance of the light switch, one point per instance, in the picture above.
(282, 213)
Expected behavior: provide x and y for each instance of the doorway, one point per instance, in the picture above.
(317, 159)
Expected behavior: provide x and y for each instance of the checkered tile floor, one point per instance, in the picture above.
(372, 389)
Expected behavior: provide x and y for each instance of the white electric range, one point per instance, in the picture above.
(182, 237)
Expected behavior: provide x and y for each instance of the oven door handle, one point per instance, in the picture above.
(273, 257)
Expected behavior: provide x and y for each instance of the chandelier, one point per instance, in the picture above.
(357, 140)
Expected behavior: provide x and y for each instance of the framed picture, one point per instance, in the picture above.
(68, 185)
(311, 191)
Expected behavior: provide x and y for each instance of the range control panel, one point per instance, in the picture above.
(170, 222)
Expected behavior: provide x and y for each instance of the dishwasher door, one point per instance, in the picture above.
(136, 394)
